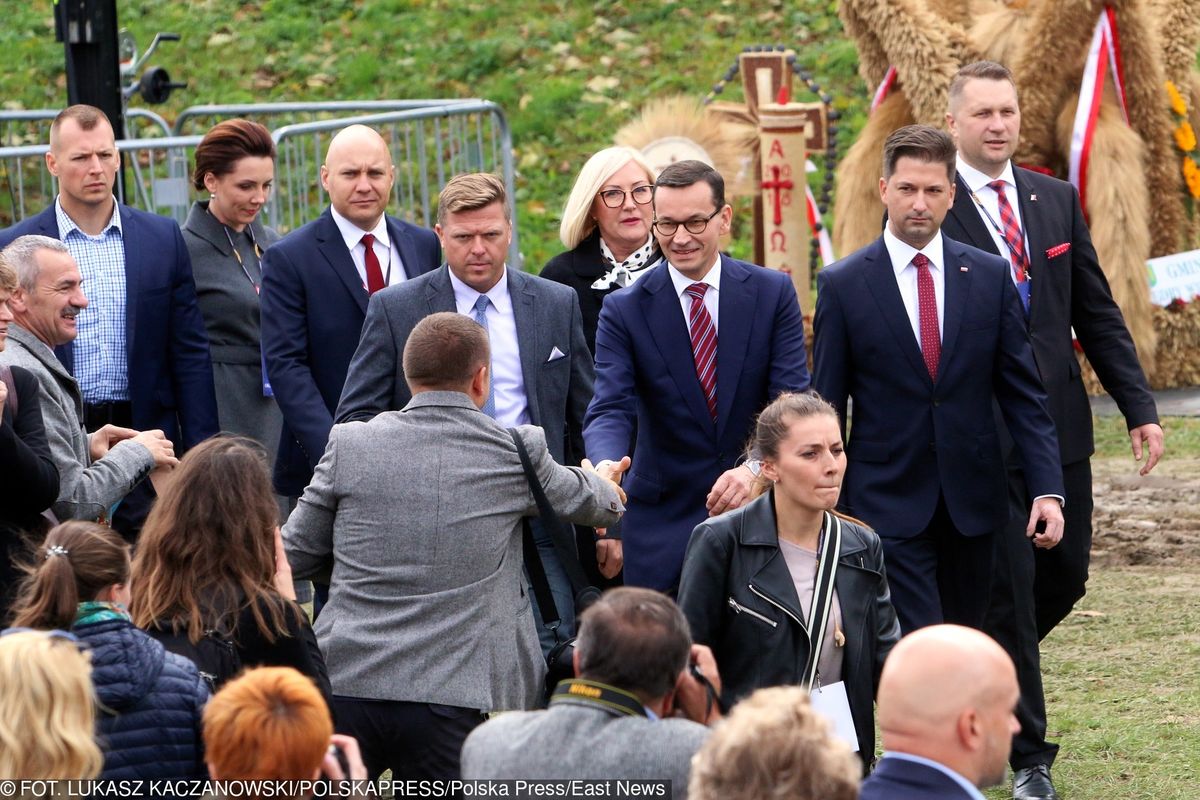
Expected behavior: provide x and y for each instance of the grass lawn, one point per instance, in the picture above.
(1122, 679)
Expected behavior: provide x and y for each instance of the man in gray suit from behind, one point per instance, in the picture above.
(416, 517)
(613, 722)
(542, 369)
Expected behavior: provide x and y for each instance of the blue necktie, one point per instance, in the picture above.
(480, 316)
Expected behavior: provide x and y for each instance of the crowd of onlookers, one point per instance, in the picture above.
(456, 458)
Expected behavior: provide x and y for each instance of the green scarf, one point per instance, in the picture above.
(94, 611)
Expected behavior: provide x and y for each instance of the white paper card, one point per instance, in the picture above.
(831, 702)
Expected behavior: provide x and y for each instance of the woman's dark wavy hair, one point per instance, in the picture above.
(207, 550)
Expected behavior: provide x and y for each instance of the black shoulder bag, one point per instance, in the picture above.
(559, 663)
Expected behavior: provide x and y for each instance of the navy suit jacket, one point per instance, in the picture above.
(645, 371)
(1067, 291)
(913, 438)
(170, 371)
(313, 306)
(898, 779)
(557, 385)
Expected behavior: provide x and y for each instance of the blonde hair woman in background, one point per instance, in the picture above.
(606, 230)
(47, 709)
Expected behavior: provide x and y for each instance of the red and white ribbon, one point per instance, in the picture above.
(1104, 56)
(824, 243)
(885, 86)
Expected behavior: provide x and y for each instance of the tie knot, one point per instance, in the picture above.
(997, 187)
(697, 290)
(481, 304)
(920, 261)
(368, 240)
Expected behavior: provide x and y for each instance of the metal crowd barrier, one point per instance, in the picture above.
(198, 119)
(430, 141)
(429, 145)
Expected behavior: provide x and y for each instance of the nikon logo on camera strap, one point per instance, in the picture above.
(583, 691)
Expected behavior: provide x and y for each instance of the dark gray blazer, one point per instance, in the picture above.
(418, 514)
(228, 299)
(547, 317)
(586, 742)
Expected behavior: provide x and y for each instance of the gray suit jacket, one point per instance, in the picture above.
(547, 315)
(87, 489)
(583, 741)
(418, 513)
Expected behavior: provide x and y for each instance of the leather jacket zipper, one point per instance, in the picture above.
(781, 608)
(739, 608)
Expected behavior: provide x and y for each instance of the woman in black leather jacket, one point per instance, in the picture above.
(748, 577)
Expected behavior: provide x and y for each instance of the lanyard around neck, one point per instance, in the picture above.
(238, 256)
(1000, 232)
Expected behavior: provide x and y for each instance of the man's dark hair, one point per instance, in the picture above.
(634, 639)
(979, 70)
(682, 174)
(923, 143)
(444, 351)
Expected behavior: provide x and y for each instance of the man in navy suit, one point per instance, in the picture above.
(316, 282)
(691, 353)
(1069, 298)
(946, 701)
(920, 333)
(540, 364)
(141, 356)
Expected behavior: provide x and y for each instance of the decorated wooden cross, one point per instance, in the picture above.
(787, 132)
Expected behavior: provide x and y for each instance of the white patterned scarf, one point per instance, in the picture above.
(628, 271)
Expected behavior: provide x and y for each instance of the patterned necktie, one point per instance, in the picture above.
(371, 261)
(1015, 240)
(931, 339)
(480, 316)
(704, 345)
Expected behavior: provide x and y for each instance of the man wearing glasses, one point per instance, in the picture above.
(692, 352)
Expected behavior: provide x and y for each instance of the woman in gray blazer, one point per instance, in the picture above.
(235, 164)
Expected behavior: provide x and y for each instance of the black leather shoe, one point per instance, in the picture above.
(1033, 783)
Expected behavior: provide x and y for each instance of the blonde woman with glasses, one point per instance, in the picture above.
(606, 230)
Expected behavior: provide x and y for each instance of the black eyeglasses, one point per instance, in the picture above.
(615, 198)
(693, 226)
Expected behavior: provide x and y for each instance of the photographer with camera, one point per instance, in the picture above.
(638, 709)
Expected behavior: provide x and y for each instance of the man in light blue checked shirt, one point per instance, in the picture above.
(141, 357)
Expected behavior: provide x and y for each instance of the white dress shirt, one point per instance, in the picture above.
(508, 381)
(902, 255)
(713, 279)
(389, 257)
(982, 194)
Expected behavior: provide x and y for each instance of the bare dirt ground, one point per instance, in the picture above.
(1153, 521)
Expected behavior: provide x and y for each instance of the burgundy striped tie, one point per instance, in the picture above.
(704, 345)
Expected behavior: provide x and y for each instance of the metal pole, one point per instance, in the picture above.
(88, 31)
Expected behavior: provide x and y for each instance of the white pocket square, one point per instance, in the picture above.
(555, 355)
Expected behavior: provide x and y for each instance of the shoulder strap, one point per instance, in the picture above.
(568, 558)
(822, 603)
(12, 402)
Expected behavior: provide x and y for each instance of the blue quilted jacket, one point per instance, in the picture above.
(150, 704)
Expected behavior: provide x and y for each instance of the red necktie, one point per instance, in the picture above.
(931, 339)
(1012, 233)
(374, 273)
(704, 345)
